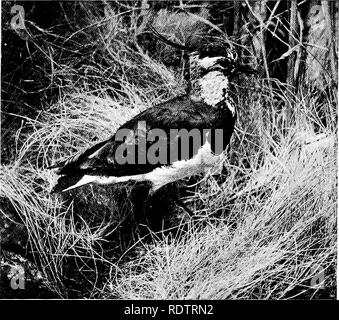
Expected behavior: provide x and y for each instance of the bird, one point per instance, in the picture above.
(207, 109)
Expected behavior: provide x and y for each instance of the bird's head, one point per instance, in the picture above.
(224, 60)
(212, 70)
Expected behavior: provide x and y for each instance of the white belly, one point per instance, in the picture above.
(202, 162)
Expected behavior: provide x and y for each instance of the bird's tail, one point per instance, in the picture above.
(68, 182)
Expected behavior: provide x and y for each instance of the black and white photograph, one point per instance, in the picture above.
(169, 150)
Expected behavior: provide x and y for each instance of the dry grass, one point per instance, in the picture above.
(260, 231)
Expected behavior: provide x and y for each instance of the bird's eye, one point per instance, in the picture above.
(225, 63)
(232, 55)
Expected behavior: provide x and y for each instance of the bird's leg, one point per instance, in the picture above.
(148, 202)
(183, 206)
(156, 196)
(179, 202)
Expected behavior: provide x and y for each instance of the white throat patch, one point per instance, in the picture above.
(208, 62)
(214, 88)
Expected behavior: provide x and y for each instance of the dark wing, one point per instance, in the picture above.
(100, 159)
(78, 157)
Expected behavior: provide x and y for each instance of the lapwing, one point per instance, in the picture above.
(207, 109)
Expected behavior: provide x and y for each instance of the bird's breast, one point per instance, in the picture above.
(213, 90)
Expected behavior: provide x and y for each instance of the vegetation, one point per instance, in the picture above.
(264, 228)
